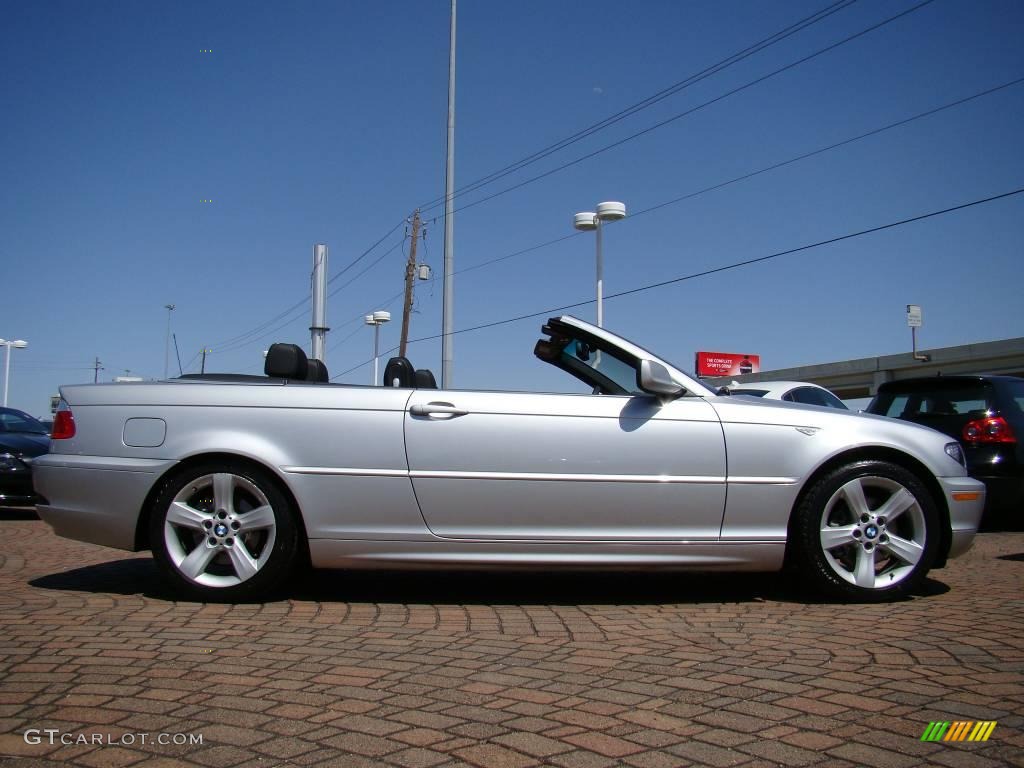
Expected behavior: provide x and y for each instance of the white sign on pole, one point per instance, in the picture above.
(914, 319)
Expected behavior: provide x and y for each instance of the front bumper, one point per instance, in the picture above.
(965, 499)
(96, 499)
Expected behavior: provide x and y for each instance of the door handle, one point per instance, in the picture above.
(436, 409)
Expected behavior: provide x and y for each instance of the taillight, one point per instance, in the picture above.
(63, 423)
(990, 430)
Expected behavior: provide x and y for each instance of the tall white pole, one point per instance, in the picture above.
(318, 330)
(448, 320)
(376, 352)
(600, 277)
(7, 370)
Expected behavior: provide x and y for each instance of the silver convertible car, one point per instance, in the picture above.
(233, 481)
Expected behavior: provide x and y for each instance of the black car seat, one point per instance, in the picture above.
(286, 361)
(399, 373)
(316, 371)
(425, 379)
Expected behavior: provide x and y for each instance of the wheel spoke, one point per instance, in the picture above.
(224, 492)
(256, 519)
(183, 515)
(896, 504)
(245, 564)
(195, 564)
(853, 492)
(836, 536)
(907, 551)
(864, 571)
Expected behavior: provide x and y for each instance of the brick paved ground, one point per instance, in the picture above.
(504, 670)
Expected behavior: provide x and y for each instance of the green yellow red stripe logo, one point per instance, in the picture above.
(959, 730)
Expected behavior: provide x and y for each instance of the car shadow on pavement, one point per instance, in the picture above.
(139, 576)
(136, 576)
(18, 513)
(561, 588)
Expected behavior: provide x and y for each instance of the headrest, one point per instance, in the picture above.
(286, 361)
(399, 373)
(316, 370)
(425, 379)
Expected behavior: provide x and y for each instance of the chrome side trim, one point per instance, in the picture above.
(536, 476)
(566, 477)
(350, 471)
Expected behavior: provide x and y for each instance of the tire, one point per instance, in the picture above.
(867, 531)
(223, 532)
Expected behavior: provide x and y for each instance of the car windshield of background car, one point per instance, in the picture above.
(16, 421)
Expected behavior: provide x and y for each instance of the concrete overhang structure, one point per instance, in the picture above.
(850, 379)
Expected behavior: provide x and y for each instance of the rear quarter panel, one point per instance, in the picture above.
(344, 440)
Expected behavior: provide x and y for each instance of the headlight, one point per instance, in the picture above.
(956, 453)
(11, 463)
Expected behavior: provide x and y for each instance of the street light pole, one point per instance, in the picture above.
(19, 344)
(448, 292)
(167, 340)
(377, 319)
(589, 220)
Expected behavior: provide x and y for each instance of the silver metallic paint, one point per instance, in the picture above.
(504, 478)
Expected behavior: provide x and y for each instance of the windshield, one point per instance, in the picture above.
(18, 421)
(617, 372)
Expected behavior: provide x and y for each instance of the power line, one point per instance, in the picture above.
(758, 172)
(716, 270)
(233, 343)
(361, 315)
(649, 101)
(663, 123)
(365, 253)
(373, 264)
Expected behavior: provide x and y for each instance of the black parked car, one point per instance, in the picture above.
(22, 438)
(986, 414)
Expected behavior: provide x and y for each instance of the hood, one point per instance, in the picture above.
(24, 443)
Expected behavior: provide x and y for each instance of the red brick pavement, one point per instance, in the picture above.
(437, 669)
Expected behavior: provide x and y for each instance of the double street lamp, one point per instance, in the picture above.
(590, 220)
(19, 344)
(377, 319)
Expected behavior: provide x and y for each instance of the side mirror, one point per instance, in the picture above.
(655, 379)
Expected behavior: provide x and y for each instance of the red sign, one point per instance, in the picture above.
(726, 364)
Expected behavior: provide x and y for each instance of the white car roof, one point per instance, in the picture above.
(776, 389)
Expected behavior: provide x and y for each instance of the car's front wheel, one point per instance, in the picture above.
(866, 531)
(223, 531)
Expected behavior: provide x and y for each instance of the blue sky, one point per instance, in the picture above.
(324, 122)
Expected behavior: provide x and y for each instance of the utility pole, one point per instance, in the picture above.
(97, 367)
(410, 275)
(204, 351)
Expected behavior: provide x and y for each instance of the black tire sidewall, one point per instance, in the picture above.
(810, 562)
(270, 579)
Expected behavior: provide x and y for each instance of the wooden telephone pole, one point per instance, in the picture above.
(410, 276)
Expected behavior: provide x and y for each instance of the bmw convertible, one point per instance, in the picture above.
(234, 481)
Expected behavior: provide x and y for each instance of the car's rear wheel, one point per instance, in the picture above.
(223, 531)
(866, 531)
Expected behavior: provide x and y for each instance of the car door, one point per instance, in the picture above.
(528, 466)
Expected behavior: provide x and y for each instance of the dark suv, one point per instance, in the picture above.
(985, 413)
